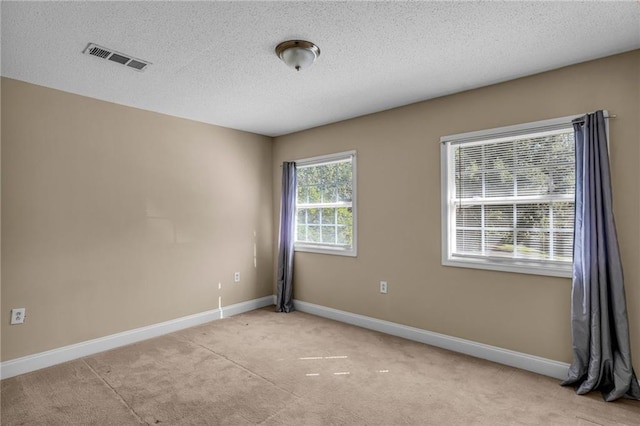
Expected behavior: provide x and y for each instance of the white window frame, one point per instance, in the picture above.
(525, 266)
(327, 248)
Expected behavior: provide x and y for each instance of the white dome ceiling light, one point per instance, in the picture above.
(298, 54)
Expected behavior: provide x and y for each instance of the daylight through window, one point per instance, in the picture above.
(325, 204)
(508, 201)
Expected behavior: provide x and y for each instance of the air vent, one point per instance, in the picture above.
(136, 64)
(112, 55)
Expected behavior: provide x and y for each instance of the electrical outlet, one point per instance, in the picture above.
(17, 315)
(236, 277)
(383, 287)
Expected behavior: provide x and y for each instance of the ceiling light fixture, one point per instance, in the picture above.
(297, 54)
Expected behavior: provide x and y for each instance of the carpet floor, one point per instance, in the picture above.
(294, 369)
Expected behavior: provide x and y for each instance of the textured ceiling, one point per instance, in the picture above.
(214, 61)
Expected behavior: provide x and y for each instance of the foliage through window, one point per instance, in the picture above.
(508, 199)
(325, 204)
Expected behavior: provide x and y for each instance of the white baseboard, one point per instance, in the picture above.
(40, 360)
(508, 357)
(520, 360)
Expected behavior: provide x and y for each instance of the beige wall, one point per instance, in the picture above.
(399, 211)
(115, 218)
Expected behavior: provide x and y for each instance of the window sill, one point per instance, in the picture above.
(563, 271)
(326, 250)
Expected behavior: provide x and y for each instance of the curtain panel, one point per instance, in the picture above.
(599, 323)
(286, 239)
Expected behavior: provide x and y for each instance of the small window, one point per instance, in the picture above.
(508, 198)
(325, 204)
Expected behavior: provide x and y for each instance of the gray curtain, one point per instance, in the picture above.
(599, 324)
(284, 300)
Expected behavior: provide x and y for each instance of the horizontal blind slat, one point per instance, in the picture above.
(508, 192)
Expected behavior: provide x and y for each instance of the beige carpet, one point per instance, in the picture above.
(294, 369)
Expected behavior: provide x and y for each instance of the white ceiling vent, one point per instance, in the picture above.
(111, 55)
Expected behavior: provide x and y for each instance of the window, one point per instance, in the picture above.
(325, 204)
(508, 198)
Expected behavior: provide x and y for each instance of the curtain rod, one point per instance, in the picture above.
(606, 117)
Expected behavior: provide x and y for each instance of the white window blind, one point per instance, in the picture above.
(508, 200)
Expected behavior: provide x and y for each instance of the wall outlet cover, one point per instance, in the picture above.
(17, 315)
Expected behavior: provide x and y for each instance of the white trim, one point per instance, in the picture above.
(512, 131)
(447, 184)
(320, 249)
(511, 265)
(40, 360)
(325, 159)
(508, 357)
(309, 247)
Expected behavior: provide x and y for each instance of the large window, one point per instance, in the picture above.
(508, 198)
(325, 204)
